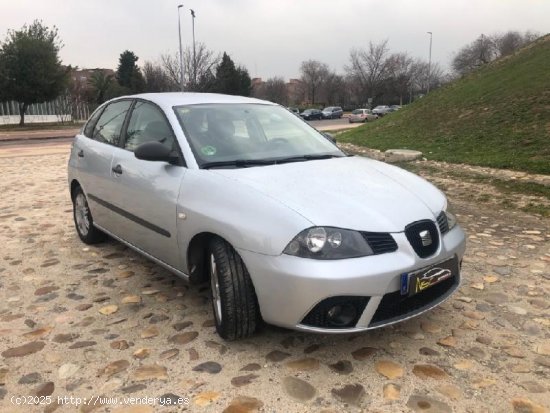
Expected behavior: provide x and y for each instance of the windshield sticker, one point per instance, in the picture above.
(208, 150)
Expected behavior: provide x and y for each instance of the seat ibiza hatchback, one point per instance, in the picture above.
(283, 225)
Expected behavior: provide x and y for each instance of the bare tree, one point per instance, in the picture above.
(400, 71)
(368, 68)
(206, 62)
(487, 48)
(419, 77)
(333, 89)
(509, 42)
(475, 54)
(314, 73)
(156, 78)
(274, 90)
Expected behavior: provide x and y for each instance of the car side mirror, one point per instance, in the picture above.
(329, 137)
(156, 152)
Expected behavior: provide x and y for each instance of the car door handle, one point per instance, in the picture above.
(117, 169)
(80, 154)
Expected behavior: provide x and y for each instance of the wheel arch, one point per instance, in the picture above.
(74, 185)
(197, 257)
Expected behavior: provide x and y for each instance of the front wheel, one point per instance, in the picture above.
(83, 220)
(234, 301)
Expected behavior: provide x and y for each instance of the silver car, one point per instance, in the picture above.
(284, 226)
(362, 115)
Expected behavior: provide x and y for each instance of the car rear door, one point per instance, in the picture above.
(94, 154)
(146, 192)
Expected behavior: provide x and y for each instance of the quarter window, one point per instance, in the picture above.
(147, 124)
(89, 128)
(110, 123)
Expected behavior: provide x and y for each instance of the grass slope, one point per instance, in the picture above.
(498, 116)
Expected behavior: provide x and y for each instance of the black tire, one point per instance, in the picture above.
(237, 304)
(83, 220)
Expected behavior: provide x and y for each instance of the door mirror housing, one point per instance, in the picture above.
(156, 152)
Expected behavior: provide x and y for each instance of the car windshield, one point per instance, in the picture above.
(330, 108)
(240, 133)
(357, 111)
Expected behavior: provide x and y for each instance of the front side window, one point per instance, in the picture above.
(147, 124)
(236, 132)
(109, 125)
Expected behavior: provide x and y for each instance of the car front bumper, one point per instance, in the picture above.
(289, 288)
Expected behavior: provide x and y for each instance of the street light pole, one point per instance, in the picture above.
(194, 55)
(430, 64)
(181, 49)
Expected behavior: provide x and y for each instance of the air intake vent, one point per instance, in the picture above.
(442, 223)
(380, 242)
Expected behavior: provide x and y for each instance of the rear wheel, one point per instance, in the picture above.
(83, 220)
(233, 298)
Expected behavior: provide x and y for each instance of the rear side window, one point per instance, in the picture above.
(109, 125)
(89, 128)
(148, 124)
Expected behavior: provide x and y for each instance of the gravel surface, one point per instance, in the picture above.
(103, 324)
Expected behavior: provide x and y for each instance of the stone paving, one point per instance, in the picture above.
(102, 322)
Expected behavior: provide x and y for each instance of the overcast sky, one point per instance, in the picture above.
(271, 37)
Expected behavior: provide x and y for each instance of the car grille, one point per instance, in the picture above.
(421, 247)
(318, 316)
(380, 242)
(395, 306)
(442, 223)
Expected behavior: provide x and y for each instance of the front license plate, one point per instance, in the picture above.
(417, 281)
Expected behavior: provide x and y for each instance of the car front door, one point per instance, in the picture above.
(147, 191)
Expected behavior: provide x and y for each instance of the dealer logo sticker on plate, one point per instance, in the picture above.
(418, 281)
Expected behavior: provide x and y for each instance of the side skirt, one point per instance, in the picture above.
(177, 272)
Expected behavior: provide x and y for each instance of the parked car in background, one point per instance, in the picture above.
(296, 111)
(362, 115)
(275, 219)
(332, 112)
(395, 108)
(312, 114)
(381, 110)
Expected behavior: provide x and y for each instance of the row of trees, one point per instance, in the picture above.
(373, 75)
(31, 72)
(210, 73)
(485, 49)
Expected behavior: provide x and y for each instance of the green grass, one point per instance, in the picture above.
(511, 191)
(498, 116)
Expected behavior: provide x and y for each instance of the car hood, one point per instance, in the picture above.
(351, 192)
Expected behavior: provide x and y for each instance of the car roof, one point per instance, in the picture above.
(170, 99)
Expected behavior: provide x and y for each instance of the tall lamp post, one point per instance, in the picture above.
(181, 49)
(194, 55)
(430, 64)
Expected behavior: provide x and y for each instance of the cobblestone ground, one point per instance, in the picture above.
(95, 322)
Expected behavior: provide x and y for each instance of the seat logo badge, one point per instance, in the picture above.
(426, 238)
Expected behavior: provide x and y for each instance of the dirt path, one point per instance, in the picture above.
(102, 321)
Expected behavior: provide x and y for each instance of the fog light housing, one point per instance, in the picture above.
(341, 315)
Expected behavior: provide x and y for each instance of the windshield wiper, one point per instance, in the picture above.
(238, 163)
(302, 158)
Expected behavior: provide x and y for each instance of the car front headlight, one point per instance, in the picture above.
(328, 243)
(451, 219)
